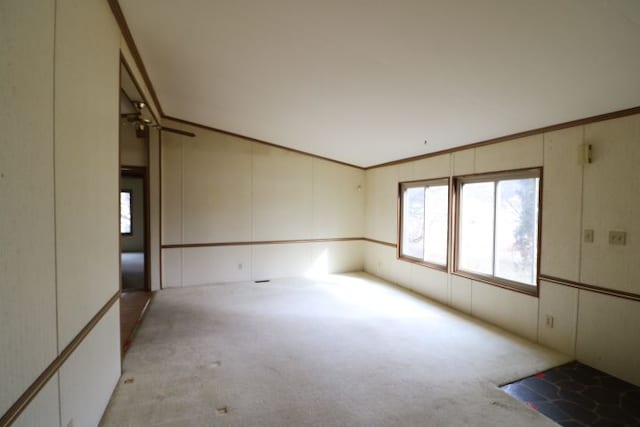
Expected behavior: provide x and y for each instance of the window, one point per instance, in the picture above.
(125, 212)
(498, 217)
(424, 226)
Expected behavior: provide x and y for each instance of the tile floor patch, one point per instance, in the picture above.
(578, 395)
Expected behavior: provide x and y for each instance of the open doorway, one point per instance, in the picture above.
(134, 229)
(135, 247)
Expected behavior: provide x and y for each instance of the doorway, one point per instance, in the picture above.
(135, 246)
(134, 229)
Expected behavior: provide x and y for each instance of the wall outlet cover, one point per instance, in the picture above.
(617, 238)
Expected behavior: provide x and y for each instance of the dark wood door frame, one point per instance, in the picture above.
(142, 172)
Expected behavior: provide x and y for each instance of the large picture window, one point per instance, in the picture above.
(497, 227)
(424, 226)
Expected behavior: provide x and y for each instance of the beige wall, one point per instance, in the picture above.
(133, 150)
(27, 229)
(59, 186)
(219, 188)
(599, 330)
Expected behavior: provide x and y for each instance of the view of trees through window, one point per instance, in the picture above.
(425, 216)
(125, 212)
(498, 228)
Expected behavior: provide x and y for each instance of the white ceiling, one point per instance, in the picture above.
(367, 82)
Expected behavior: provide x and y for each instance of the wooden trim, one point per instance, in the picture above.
(426, 183)
(427, 264)
(260, 141)
(119, 185)
(127, 67)
(551, 128)
(379, 242)
(539, 237)
(453, 220)
(260, 242)
(178, 131)
(160, 209)
(126, 33)
(498, 174)
(399, 221)
(134, 331)
(147, 222)
(592, 288)
(429, 181)
(534, 292)
(23, 401)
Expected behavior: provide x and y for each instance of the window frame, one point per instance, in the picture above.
(491, 279)
(424, 183)
(130, 233)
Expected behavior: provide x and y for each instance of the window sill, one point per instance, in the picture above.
(438, 267)
(530, 290)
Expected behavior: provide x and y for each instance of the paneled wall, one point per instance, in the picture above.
(598, 329)
(28, 336)
(59, 189)
(221, 189)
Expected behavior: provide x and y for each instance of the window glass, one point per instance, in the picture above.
(476, 227)
(516, 230)
(413, 222)
(436, 218)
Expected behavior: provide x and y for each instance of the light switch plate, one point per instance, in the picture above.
(588, 236)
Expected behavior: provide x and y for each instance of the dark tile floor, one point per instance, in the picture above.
(578, 395)
(132, 307)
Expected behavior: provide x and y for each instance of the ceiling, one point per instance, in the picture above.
(367, 82)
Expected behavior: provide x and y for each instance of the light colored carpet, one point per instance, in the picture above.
(348, 350)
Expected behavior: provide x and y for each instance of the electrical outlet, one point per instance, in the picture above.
(588, 236)
(617, 238)
(549, 321)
